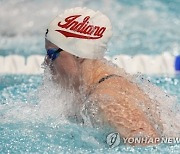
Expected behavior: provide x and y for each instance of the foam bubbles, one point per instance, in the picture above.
(46, 102)
(165, 104)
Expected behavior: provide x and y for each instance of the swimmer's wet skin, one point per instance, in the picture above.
(121, 103)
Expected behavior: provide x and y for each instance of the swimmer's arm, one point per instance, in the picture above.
(121, 112)
(128, 121)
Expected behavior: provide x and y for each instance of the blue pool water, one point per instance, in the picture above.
(32, 122)
(139, 26)
(26, 125)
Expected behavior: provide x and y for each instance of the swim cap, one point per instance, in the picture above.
(81, 32)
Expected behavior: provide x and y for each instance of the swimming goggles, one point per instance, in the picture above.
(53, 53)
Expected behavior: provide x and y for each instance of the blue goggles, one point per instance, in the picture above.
(53, 53)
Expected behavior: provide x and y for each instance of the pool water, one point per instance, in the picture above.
(139, 26)
(32, 113)
(29, 125)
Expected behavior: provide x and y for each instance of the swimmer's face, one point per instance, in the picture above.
(65, 64)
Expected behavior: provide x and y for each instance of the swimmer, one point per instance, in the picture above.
(76, 42)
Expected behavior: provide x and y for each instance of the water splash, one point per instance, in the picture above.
(167, 105)
(38, 124)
